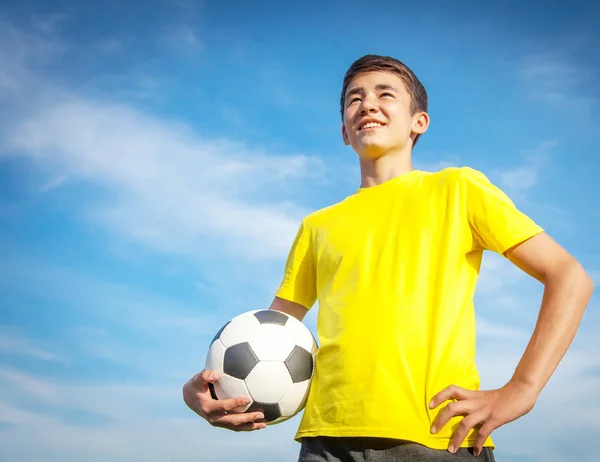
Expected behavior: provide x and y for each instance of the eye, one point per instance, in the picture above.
(353, 100)
(387, 94)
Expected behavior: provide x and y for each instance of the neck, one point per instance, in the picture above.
(377, 170)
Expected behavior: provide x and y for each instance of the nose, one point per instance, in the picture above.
(368, 105)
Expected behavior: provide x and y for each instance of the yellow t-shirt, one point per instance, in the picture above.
(394, 269)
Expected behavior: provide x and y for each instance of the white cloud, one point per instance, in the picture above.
(18, 48)
(54, 182)
(49, 24)
(112, 45)
(521, 179)
(553, 78)
(104, 300)
(18, 345)
(487, 329)
(126, 422)
(184, 39)
(172, 190)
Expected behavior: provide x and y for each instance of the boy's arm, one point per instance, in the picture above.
(292, 308)
(567, 291)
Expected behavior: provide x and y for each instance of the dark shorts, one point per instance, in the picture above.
(331, 449)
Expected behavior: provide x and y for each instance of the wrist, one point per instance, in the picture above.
(527, 386)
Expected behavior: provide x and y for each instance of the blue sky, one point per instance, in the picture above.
(157, 158)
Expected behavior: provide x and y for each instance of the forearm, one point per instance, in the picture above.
(565, 298)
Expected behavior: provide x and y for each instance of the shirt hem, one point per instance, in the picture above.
(374, 432)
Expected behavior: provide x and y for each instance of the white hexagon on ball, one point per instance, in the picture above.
(269, 382)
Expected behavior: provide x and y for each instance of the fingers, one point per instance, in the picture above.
(239, 422)
(224, 413)
(448, 393)
(201, 400)
(206, 377)
(222, 406)
(248, 427)
(463, 429)
(453, 409)
(482, 435)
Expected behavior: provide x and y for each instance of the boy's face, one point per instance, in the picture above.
(379, 98)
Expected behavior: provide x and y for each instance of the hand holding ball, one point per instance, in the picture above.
(267, 356)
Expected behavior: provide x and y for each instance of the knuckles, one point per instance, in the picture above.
(204, 409)
(452, 407)
(464, 425)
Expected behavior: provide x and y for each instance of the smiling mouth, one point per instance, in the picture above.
(370, 125)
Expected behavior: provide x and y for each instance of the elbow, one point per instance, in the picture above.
(585, 281)
(575, 276)
(588, 284)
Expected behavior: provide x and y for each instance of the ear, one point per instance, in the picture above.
(420, 123)
(345, 135)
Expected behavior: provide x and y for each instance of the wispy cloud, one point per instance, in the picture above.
(184, 39)
(49, 24)
(555, 79)
(105, 300)
(519, 180)
(17, 345)
(53, 183)
(112, 45)
(124, 422)
(496, 330)
(171, 189)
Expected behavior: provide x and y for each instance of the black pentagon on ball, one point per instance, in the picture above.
(219, 333)
(270, 411)
(239, 360)
(271, 317)
(300, 364)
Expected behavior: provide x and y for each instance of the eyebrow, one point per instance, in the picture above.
(361, 91)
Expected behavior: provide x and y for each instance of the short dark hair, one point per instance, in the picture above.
(372, 63)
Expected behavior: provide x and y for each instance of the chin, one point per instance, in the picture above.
(375, 150)
(371, 151)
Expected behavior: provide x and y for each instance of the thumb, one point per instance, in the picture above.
(208, 376)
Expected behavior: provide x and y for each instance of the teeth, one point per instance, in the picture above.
(371, 125)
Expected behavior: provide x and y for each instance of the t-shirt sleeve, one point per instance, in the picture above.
(299, 278)
(495, 221)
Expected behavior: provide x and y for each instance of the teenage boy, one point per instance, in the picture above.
(394, 267)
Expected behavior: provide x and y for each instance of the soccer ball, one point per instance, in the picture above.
(265, 355)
